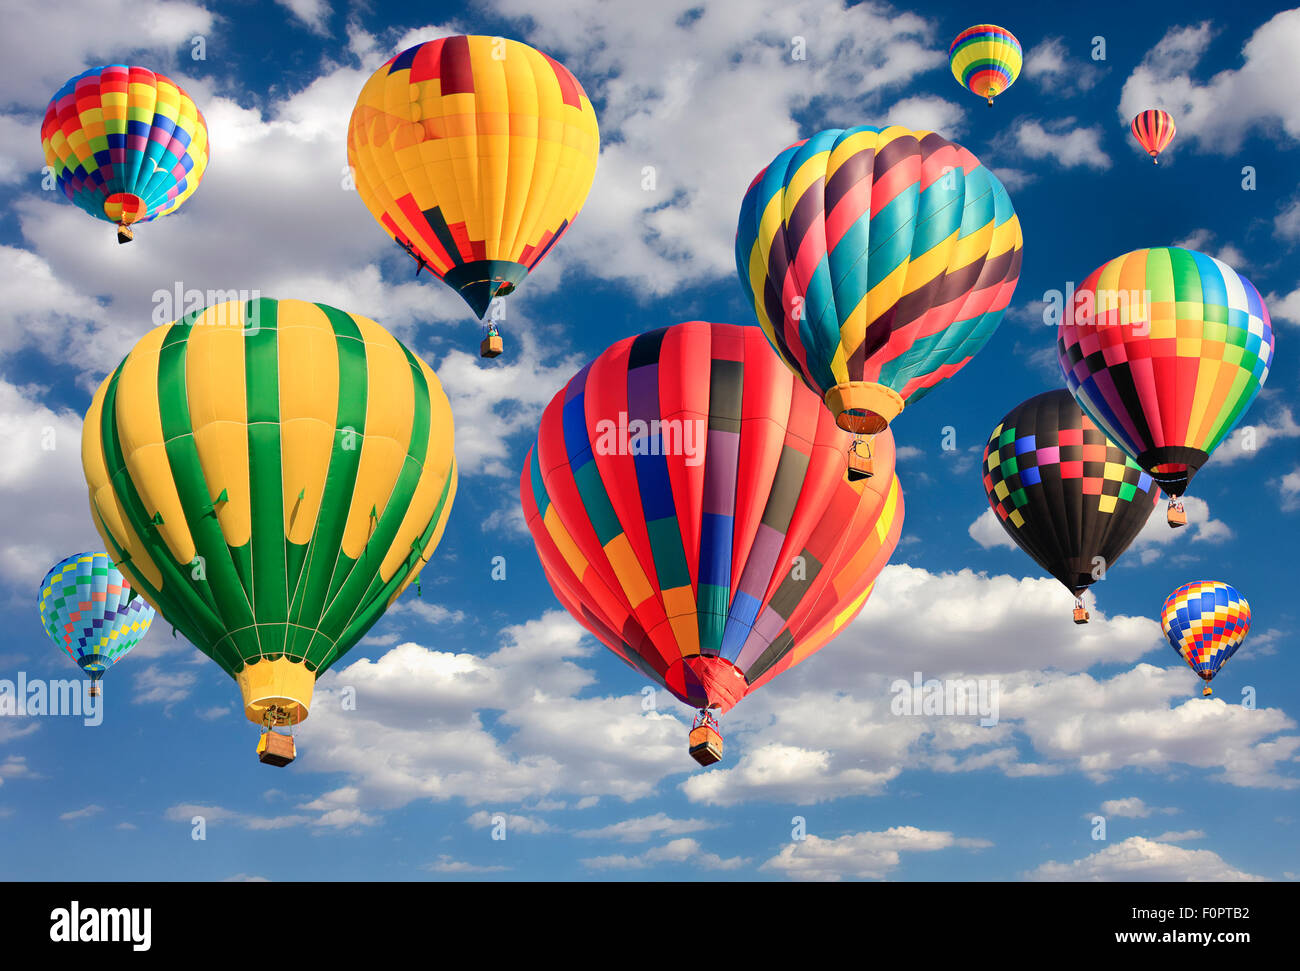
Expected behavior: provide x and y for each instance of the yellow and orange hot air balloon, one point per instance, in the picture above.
(475, 154)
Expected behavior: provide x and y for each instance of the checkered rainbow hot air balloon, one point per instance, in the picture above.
(1165, 349)
(878, 262)
(127, 145)
(1205, 622)
(90, 611)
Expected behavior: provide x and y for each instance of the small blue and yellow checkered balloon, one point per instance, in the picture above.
(89, 610)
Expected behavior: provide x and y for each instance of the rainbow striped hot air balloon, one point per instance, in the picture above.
(1165, 349)
(475, 154)
(1205, 623)
(271, 474)
(690, 508)
(89, 610)
(1154, 130)
(126, 145)
(878, 262)
(985, 59)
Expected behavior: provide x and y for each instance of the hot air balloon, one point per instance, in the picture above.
(690, 508)
(1165, 349)
(1205, 623)
(90, 611)
(270, 475)
(1154, 130)
(475, 154)
(985, 59)
(126, 145)
(1066, 495)
(878, 262)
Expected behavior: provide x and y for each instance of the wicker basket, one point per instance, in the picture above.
(276, 749)
(706, 745)
(491, 347)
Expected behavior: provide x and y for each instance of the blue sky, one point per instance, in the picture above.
(482, 699)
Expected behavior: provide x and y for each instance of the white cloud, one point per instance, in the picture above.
(645, 828)
(84, 812)
(42, 487)
(1285, 308)
(1132, 807)
(313, 14)
(861, 856)
(1246, 441)
(88, 33)
(665, 80)
(156, 686)
(928, 113)
(331, 818)
(1205, 241)
(1289, 486)
(1286, 224)
(446, 864)
(684, 850)
(1180, 836)
(1049, 64)
(988, 532)
(1219, 113)
(1138, 858)
(513, 824)
(1154, 541)
(1068, 145)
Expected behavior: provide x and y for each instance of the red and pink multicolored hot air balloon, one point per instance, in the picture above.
(1154, 130)
(690, 507)
(126, 145)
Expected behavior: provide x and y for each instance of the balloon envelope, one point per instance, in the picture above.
(271, 475)
(475, 154)
(1154, 130)
(690, 508)
(878, 262)
(126, 145)
(985, 59)
(1205, 622)
(1064, 493)
(88, 610)
(1165, 349)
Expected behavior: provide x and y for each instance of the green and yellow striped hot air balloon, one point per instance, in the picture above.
(270, 475)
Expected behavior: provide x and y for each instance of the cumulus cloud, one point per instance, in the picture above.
(1219, 113)
(1064, 142)
(679, 851)
(861, 856)
(665, 80)
(1138, 858)
(1132, 807)
(645, 828)
(1051, 66)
